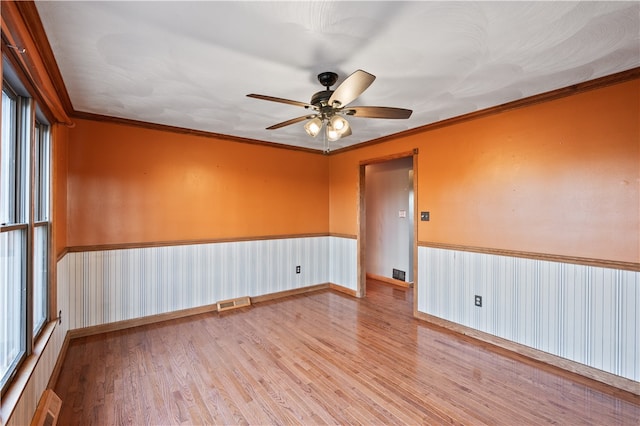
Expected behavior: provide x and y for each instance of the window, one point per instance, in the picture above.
(24, 229)
(40, 226)
(12, 242)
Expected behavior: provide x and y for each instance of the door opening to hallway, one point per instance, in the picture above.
(389, 222)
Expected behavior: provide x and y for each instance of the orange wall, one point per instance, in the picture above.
(60, 137)
(129, 184)
(560, 177)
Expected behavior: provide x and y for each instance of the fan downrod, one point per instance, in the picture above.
(327, 79)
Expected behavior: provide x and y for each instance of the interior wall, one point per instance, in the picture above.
(60, 136)
(389, 235)
(559, 177)
(584, 313)
(129, 184)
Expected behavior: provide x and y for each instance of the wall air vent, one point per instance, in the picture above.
(398, 274)
(48, 409)
(225, 305)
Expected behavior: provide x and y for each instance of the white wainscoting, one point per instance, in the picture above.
(343, 269)
(587, 314)
(116, 285)
(28, 402)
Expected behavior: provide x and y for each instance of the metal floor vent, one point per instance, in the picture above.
(225, 305)
(48, 409)
(397, 274)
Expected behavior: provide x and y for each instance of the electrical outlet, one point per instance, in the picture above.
(298, 269)
(478, 300)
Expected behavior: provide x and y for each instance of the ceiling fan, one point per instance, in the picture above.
(331, 106)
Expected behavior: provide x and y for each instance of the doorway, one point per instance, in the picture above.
(387, 229)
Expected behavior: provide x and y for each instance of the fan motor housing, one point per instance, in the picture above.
(321, 98)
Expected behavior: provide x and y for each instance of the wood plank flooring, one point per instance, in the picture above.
(320, 358)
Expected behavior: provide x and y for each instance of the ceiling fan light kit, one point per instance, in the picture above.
(313, 127)
(330, 106)
(339, 124)
(337, 127)
(332, 134)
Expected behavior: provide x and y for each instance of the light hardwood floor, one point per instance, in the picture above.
(320, 358)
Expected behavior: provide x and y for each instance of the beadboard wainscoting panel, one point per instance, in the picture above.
(587, 314)
(122, 284)
(37, 383)
(64, 292)
(344, 262)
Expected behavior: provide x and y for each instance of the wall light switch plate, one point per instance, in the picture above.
(424, 216)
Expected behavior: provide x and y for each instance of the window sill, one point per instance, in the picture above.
(19, 383)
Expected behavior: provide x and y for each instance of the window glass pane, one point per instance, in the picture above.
(23, 181)
(36, 169)
(41, 168)
(40, 277)
(8, 158)
(12, 290)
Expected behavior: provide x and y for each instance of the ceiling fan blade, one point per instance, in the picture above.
(351, 87)
(378, 112)
(289, 122)
(281, 100)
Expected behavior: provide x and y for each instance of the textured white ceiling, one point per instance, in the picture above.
(190, 64)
